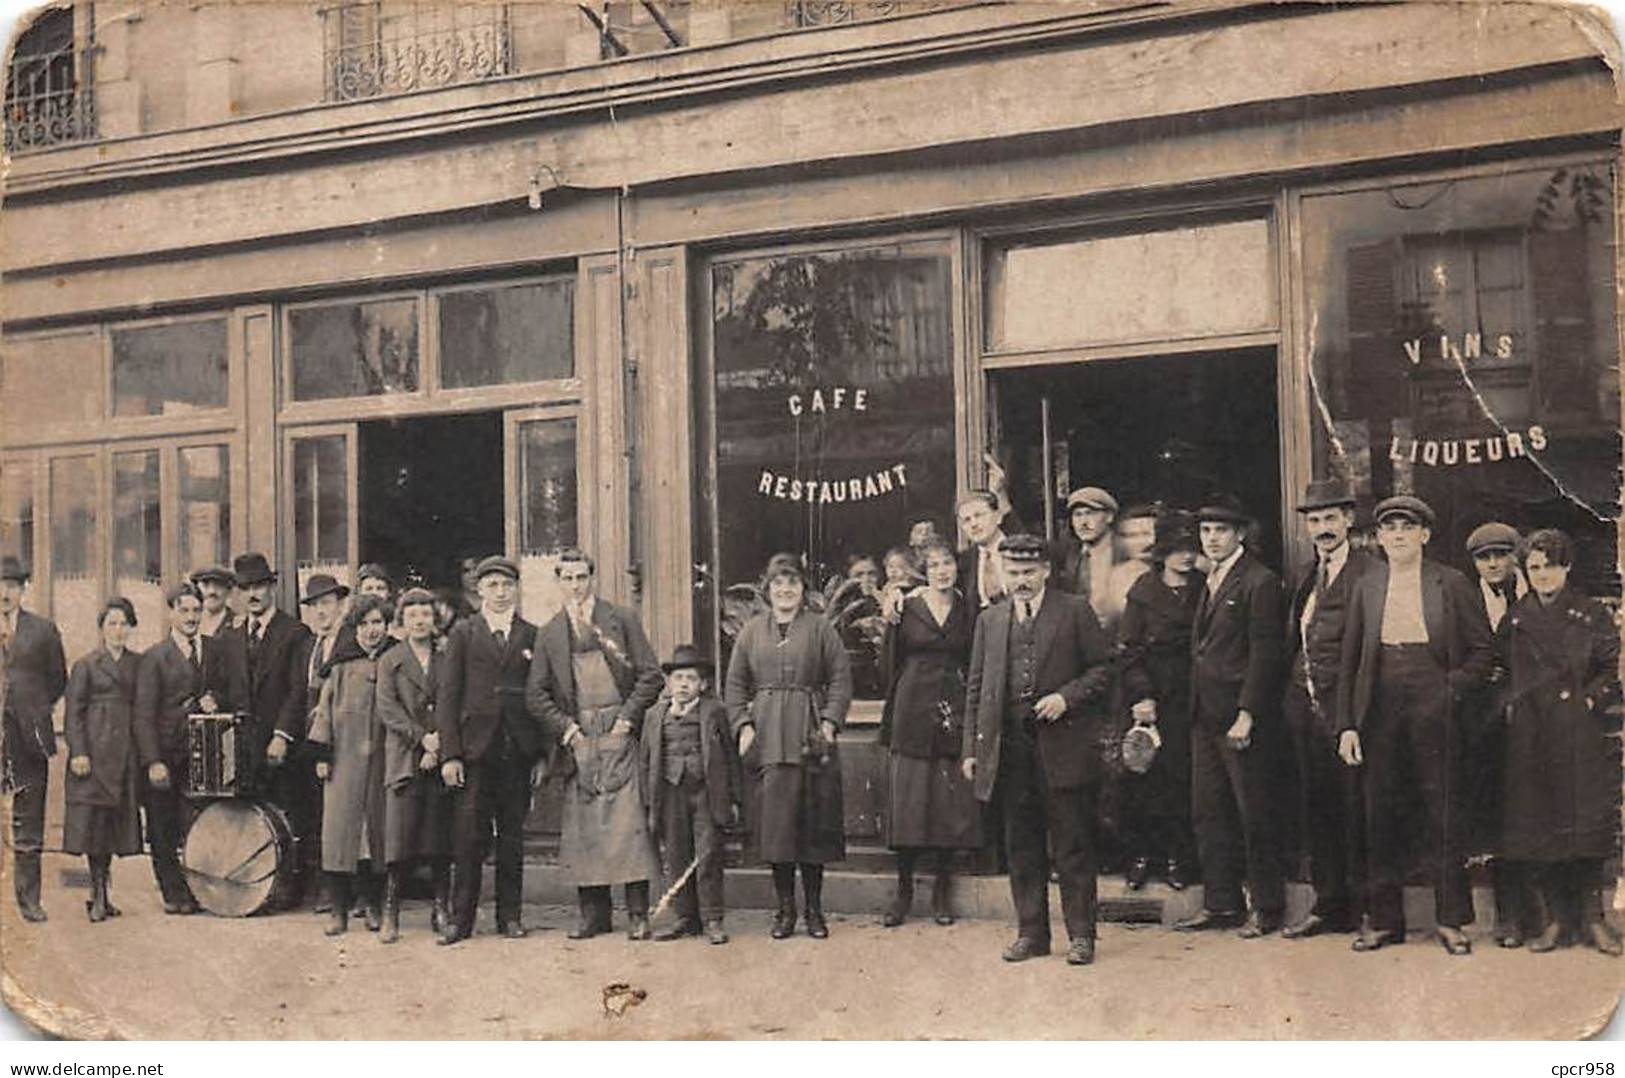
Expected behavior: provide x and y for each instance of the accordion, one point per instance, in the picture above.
(219, 755)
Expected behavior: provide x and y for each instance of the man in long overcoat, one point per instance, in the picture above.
(35, 675)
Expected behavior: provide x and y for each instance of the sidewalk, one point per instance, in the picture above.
(145, 975)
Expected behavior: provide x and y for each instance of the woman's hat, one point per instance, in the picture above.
(251, 569)
(321, 584)
(1176, 530)
(375, 571)
(688, 657)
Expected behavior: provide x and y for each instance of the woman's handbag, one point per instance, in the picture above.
(1140, 745)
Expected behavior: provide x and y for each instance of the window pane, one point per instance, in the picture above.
(1464, 350)
(835, 415)
(321, 485)
(205, 510)
(523, 333)
(169, 370)
(138, 568)
(17, 511)
(355, 349)
(76, 587)
(1165, 285)
(35, 376)
(547, 512)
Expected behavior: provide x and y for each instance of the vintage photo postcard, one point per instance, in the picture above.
(808, 519)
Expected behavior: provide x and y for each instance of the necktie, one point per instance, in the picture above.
(1323, 577)
(1024, 611)
(1084, 578)
(502, 638)
(192, 654)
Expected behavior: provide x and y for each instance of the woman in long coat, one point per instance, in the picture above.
(932, 807)
(349, 741)
(102, 793)
(1155, 654)
(1562, 765)
(417, 815)
(788, 688)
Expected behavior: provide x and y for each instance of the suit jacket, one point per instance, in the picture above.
(1073, 656)
(36, 676)
(550, 690)
(272, 688)
(1236, 645)
(1458, 638)
(719, 761)
(1326, 629)
(167, 689)
(482, 690)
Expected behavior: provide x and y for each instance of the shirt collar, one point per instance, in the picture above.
(1224, 567)
(583, 610)
(1034, 603)
(681, 712)
(498, 622)
(181, 641)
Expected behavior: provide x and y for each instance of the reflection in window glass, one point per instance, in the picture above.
(205, 509)
(834, 418)
(17, 510)
(138, 562)
(34, 370)
(76, 587)
(547, 515)
(1464, 350)
(169, 369)
(321, 494)
(494, 336)
(354, 349)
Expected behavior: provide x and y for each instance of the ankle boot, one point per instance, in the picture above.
(96, 906)
(391, 930)
(439, 915)
(372, 891)
(338, 893)
(784, 888)
(26, 865)
(941, 909)
(812, 890)
(903, 898)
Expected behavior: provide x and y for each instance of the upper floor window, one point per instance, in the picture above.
(379, 47)
(48, 86)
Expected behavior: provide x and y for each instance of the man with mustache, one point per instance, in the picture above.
(1329, 791)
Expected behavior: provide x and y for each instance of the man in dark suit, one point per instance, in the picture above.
(182, 674)
(605, 839)
(265, 680)
(214, 583)
(1415, 648)
(1035, 699)
(1235, 666)
(1328, 792)
(490, 748)
(35, 674)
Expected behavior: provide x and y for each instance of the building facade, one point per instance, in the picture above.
(687, 284)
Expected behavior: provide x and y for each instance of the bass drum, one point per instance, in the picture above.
(239, 858)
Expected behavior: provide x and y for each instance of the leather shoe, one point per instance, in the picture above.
(1371, 939)
(715, 933)
(1138, 873)
(639, 928)
(1314, 925)
(584, 930)
(1081, 953)
(513, 930)
(1206, 919)
(180, 909)
(1024, 948)
(1176, 875)
(1598, 935)
(678, 931)
(1548, 938)
(817, 927)
(1454, 940)
(452, 934)
(1259, 924)
(784, 925)
(1510, 940)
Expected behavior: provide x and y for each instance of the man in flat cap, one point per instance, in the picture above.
(1036, 696)
(1328, 791)
(1235, 686)
(33, 675)
(1415, 648)
(214, 583)
(1492, 549)
(490, 747)
(1083, 559)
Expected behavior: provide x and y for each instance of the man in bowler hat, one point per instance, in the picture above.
(1035, 699)
(1235, 659)
(1415, 648)
(35, 673)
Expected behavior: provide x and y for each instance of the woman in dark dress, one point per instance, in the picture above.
(932, 807)
(788, 688)
(1561, 815)
(1155, 654)
(103, 803)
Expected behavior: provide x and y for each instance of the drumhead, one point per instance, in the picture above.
(236, 856)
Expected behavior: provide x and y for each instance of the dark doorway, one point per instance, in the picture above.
(1173, 429)
(431, 492)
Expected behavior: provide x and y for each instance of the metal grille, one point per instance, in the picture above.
(372, 49)
(48, 90)
(807, 13)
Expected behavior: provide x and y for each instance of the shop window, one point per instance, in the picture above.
(321, 505)
(76, 588)
(518, 333)
(169, 369)
(50, 380)
(1171, 284)
(1463, 349)
(354, 349)
(547, 511)
(17, 510)
(205, 506)
(138, 538)
(834, 420)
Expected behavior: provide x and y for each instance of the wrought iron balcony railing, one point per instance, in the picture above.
(372, 49)
(802, 14)
(48, 102)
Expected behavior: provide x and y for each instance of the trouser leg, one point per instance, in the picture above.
(166, 814)
(1026, 835)
(677, 848)
(511, 805)
(28, 837)
(708, 851)
(637, 898)
(471, 831)
(1071, 815)
(1434, 751)
(596, 906)
(1248, 771)
(1324, 807)
(1218, 824)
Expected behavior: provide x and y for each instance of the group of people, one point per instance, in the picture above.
(1148, 653)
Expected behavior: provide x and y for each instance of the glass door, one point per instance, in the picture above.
(319, 517)
(543, 466)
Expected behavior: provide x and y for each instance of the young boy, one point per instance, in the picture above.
(691, 780)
